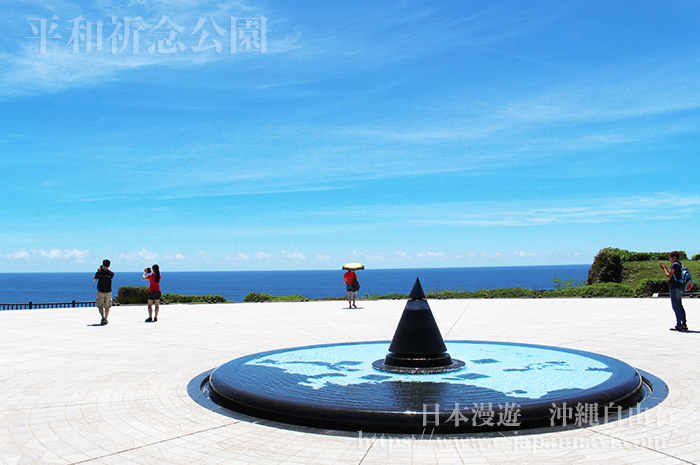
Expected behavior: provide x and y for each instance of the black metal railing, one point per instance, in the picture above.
(33, 305)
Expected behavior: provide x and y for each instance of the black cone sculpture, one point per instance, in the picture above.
(417, 346)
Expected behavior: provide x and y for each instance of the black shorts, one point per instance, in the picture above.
(153, 295)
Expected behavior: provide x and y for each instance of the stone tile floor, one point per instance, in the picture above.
(72, 392)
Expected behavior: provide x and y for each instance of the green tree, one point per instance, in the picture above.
(606, 267)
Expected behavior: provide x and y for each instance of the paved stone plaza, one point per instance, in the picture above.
(75, 393)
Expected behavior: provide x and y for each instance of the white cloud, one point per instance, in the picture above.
(263, 256)
(30, 71)
(146, 255)
(76, 255)
(175, 256)
(294, 256)
(205, 257)
(53, 253)
(431, 255)
(238, 257)
(626, 90)
(364, 257)
(18, 254)
(565, 211)
(403, 255)
(138, 256)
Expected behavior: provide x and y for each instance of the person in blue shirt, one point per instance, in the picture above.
(675, 288)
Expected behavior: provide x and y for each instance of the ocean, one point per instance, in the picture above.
(235, 285)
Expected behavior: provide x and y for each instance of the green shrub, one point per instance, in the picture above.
(263, 297)
(456, 293)
(188, 299)
(289, 298)
(664, 255)
(139, 295)
(447, 294)
(132, 295)
(593, 290)
(696, 257)
(255, 297)
(628, 256)
(511, 293)
(560, 284)
(651, 286)
(606, 267)
(505, 293)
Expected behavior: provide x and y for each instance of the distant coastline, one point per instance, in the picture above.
(235, 285)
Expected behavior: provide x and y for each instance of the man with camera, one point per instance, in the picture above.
(675, 288)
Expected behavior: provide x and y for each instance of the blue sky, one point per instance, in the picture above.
(400, 134)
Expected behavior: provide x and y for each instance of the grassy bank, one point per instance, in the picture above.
(635, 274)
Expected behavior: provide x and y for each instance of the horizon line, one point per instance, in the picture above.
(297, 270)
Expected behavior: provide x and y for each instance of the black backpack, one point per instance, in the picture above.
(104, 281)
